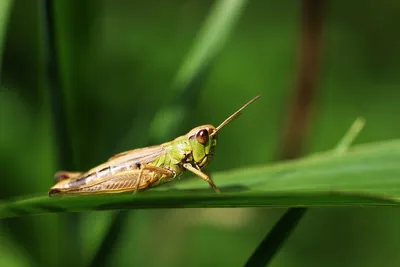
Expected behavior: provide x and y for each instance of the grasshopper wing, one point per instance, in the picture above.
(103, 174)
(121, 182)
(140, 155)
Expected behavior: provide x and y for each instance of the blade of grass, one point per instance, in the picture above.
(112, 236)
(299, 119)
(168, 121)
(274, 240)
(366, 175)
(5, 10)
(54, 88)
(350, 136)
(211, 38)
(271, 244)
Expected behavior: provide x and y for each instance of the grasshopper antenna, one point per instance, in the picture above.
(234, 115)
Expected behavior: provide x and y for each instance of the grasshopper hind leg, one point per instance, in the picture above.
(153, 169)
(139, 180)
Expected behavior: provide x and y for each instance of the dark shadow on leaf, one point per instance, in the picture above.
(224, 189)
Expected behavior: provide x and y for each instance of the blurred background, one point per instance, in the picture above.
(318, 65)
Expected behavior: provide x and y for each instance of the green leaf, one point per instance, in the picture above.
(366, 175)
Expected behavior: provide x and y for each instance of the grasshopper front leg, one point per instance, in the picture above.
(202, 175)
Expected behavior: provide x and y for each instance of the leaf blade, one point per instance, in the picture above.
(367, 175)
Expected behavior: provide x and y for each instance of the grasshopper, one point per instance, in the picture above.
(148, 167)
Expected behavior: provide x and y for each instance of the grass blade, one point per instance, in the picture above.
(5, 10)
(299, 118)
(113, 234)
(272, 242)
(55, 91)
(210, 39)
(54, 86)
(215, 31)
(350, 136)
(277, 236)
(367, 175)
(169, 118)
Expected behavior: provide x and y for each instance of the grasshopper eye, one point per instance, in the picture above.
(202, 137)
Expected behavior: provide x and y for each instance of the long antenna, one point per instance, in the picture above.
(235, 115)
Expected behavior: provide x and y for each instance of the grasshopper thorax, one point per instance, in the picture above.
(202, 140)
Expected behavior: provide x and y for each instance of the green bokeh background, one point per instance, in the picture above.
(118, 61)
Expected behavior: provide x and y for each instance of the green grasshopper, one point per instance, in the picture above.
(148, 167)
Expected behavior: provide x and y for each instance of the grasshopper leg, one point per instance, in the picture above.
(153, 169)
(202, 175)
(139, 180)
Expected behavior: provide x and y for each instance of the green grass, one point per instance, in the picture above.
(368, 175)
(114, 58)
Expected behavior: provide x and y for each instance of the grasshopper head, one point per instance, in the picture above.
(203, 140)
